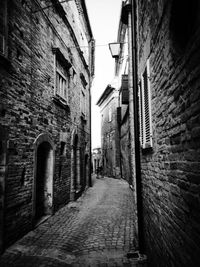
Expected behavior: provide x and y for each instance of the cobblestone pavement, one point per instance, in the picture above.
(97, 231)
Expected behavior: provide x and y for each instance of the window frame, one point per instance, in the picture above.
(63, 94)
(145, 112)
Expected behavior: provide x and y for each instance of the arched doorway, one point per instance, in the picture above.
(43, 179)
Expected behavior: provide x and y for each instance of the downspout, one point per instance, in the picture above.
(136, 129)
(119, 133)
(90, 134)
(131, 107)
(91, 66)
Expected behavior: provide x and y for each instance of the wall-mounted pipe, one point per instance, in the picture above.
(136, 128)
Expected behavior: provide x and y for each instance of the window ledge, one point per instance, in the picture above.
(147, 145)
(61, 102)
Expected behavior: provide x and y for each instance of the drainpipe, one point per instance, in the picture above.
(132, 181)
(119, 134)
(136, 128)
(90, 133)
(91, 67)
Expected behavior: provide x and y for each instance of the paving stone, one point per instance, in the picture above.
(92, 236)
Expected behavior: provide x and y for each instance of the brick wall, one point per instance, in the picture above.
(170, 170)
(125, 144)
(28, 109)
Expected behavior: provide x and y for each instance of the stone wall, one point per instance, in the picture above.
(171, 169)
(28, 107)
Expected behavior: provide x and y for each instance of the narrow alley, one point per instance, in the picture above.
(106, 88)
(96, 230)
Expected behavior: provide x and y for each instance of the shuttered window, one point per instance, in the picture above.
(3, 26)
(140, 112)
(145, 109)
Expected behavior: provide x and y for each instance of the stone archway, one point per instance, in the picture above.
(43, 178)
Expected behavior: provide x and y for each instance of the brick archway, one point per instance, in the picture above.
(43, 178)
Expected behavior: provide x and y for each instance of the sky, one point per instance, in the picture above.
(104, 19)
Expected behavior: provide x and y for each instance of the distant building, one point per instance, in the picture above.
(108, 103)
(46, 69)
(96, 159)
(116, 120)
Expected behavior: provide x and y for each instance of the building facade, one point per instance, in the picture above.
(165, 79)
(108, 103)
(120, 124)
(47, 65)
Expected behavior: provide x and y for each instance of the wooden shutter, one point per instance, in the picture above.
(140, 112)
(124, 88)
(146, 124)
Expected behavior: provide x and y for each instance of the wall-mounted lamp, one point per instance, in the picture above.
(114, 49)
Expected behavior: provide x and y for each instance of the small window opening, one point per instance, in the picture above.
(62, 148)
(60, 170)
(23, 175)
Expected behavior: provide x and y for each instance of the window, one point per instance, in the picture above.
(124, 90)
(83, 102)
(109, 115)
(62, 148)
(62, 81)
(145, 109)
(3, 27)
(83, 80)
(62, 77)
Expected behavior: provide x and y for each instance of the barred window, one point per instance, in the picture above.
(145, 109)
